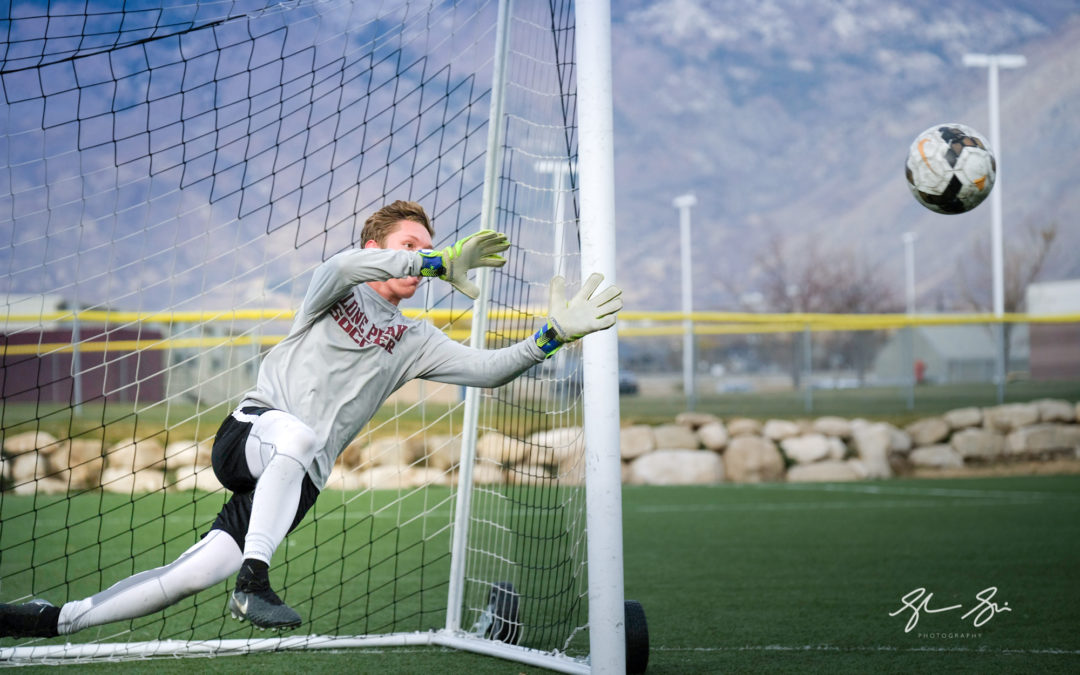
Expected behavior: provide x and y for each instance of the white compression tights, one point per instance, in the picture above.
(212, 560)
(279, 449)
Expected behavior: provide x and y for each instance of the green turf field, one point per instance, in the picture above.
(803, 578)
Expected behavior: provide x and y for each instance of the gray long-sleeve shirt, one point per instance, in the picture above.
(349, 349)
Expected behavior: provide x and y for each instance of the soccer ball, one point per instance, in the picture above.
(950, 168)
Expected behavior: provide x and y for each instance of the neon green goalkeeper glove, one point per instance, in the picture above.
(584, 314)
(453, 263)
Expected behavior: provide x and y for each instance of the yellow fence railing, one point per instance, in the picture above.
(455, 324)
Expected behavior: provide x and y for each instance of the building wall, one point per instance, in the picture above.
(1055, 347)
(113, 375)
(1055, 351)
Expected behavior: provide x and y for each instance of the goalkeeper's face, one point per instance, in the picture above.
(407, 236)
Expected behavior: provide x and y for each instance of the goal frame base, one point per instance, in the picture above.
(105, 651)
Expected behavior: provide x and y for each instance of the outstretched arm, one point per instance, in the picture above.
(336, 277)
(454, 363)
(448, 361)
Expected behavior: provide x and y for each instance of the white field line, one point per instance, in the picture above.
(901, 497)
(853, 505)
(882, 489)
(873, 648)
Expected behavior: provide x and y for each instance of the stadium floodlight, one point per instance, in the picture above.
(994, 62)
(684, 203)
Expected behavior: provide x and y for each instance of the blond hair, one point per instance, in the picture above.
(383, 222)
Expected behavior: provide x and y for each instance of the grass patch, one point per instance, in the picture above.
(734, 578)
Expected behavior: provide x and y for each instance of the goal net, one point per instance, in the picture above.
(170, 175)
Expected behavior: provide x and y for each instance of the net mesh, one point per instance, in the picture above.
(170, 176)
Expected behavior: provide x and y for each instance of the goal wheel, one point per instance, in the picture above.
(503, 612)
(637, 638)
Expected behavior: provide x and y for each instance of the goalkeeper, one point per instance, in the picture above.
(348, 349)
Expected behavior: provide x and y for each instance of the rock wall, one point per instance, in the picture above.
(837, 449)
(695, 448)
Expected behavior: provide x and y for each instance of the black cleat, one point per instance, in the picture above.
(263, 608)
(36, 618)
(254, 600)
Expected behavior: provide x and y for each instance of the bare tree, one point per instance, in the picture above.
(1022, 264)
(795, 276)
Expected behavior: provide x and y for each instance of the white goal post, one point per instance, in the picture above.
(170, 174)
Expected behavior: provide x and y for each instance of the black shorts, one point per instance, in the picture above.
(230, 466)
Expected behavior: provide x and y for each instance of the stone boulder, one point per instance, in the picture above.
(872, 443)
(355, 453)
(135, 455)
(573, 473)
(744, 426)
(962, 418)
(443, 452)
(427, 475)
(805, 449)
(822, 472)
(26, 467)
(342, 478)
(978, 443)
(1040, 438)
(44, 486)
(558, 446)
(830, 425)
(124, 481)
(390, 451)
(503, 449)
(636, 440)
(1010, 416)
(753, 459)
(528, 474)
(180, 454)
(900, 440)
(778, 430)
(390, 477)
(28, 441)
(384, 477)
(678, 467)
(936, 457)
(713, 436)
(486, 473)
(695, 420)
(77, 462)
(837, 448)
(1055, 410)
(192, 477)
(675, 437)
(928, 431)
(86, 463)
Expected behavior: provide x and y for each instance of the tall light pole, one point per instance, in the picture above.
(684, 203)
(909, 287)
(558, 169)
(994, 62)
(909, 267)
